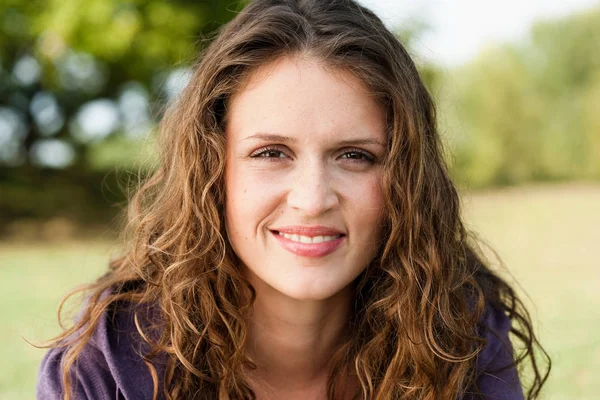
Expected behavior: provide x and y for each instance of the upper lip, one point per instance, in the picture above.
(310, 231)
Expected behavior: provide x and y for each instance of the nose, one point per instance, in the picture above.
(311, 189)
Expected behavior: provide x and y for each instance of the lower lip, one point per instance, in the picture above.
(309, 249)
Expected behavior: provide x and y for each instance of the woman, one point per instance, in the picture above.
(301, 238)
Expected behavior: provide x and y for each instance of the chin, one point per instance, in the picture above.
(301, 294)
(301, 282)
(313, 292)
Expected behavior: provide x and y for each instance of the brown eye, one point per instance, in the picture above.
(268, 153)
(272, 154)
(356, 155)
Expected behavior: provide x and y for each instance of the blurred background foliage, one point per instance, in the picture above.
(83, 83)
(528, 111)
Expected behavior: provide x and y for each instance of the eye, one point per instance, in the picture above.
(358, 156)
(268, 152)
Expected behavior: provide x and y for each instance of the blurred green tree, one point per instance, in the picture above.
(68, 65)
(529, 111)
(82, 83)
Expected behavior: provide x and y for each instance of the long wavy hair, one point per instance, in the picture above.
(416, 323)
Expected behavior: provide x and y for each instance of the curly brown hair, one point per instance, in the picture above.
(417, 317)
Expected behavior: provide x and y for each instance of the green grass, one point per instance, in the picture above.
(33, 279)
(548, 237)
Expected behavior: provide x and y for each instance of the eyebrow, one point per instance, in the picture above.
(273, 137)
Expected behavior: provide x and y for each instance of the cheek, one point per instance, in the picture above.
(371, 218)
(365, 197)
(236, 201)
(250, 198)
(376, 208)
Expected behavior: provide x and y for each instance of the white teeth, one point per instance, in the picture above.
(307, 239)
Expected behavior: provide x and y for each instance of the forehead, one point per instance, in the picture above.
(301, 96)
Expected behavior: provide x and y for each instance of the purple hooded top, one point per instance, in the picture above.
(110, 366)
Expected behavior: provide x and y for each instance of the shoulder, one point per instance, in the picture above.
(109, 366)
(497, 375)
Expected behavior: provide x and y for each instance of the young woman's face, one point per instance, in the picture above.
(303, 178)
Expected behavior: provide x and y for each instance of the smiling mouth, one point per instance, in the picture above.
(308, 239)
(309, 246)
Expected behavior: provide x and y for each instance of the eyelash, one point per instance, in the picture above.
(367, 157)
(265, 150)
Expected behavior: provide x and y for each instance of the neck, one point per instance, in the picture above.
(292, 341)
